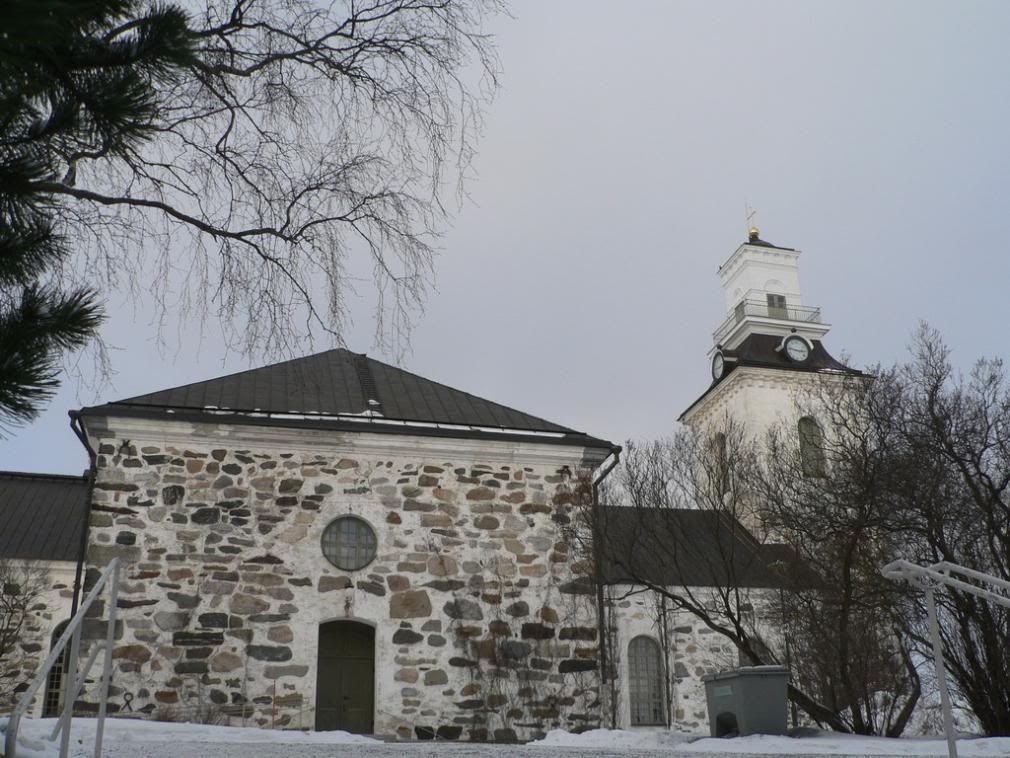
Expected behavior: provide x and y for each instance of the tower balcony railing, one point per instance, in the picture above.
(762, 309)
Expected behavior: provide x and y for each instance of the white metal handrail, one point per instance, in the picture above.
(929, 578)
(73, 688)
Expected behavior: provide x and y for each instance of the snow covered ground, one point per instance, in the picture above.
(147, 739)
(135, 738)
(664, 743)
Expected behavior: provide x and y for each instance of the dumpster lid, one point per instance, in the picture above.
(771, 670)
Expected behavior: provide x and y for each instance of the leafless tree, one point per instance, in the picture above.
(956, 488)
(913, 462)
(305, 132)
(22, 584)
(829, 490)
(675, 529)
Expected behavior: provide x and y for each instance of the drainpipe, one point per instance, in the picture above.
(78, 427)
(598, 563)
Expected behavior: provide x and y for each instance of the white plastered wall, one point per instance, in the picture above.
(52, 608)
(759, 398)
(752, 272)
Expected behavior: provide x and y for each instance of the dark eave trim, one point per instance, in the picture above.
(41, 475)
(568, 439)
(762, 243)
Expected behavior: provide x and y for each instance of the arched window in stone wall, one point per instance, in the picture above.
(811, 447)
(54, 687)
(645, 682)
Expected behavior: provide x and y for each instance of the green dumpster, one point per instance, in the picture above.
(748, 700)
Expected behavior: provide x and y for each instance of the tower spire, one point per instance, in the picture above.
(752, 231)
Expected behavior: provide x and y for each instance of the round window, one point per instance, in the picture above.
(349, 543)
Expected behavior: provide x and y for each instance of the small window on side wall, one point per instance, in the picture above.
(812, 447)
(349, 543)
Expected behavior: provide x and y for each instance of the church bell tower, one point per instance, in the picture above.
(770, 344)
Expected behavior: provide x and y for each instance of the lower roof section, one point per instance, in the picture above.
(42, 516)
(686, 547)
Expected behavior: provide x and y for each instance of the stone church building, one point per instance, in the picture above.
(385, 552)
(336, 543)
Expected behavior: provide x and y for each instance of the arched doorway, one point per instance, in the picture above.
(345, 677)
(645, 680)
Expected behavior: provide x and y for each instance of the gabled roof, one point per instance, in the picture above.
(349, 390)
(42, 515)
(685, 548)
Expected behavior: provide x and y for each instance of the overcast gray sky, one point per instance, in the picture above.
(580, 285)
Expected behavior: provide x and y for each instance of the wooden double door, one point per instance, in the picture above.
(345, 677)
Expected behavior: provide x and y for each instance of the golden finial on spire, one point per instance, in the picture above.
(752, 231)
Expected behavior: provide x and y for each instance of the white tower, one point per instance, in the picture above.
(770, 344)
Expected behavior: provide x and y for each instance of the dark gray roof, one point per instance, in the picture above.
(784, 561)
(338, 383)
(753, 239)
(683, 547)
(760, 350)
(42, 515)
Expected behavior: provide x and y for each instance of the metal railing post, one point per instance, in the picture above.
(11, 737)
(929, 579)
(70, 694)
(73, 681)
(110, 641)
(941, 674)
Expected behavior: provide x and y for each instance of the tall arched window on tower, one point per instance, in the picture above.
(720, 463)
(811, 447)
(645, 680)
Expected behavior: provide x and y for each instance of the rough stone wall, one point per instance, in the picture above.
(19, 667)
(690, 649)
(484, 625)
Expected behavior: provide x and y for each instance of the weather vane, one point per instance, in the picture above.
(752, 230)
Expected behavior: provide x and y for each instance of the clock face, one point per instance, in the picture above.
(718, 365)
(797, 349)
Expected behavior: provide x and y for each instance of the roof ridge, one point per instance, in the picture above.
(366, 381)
